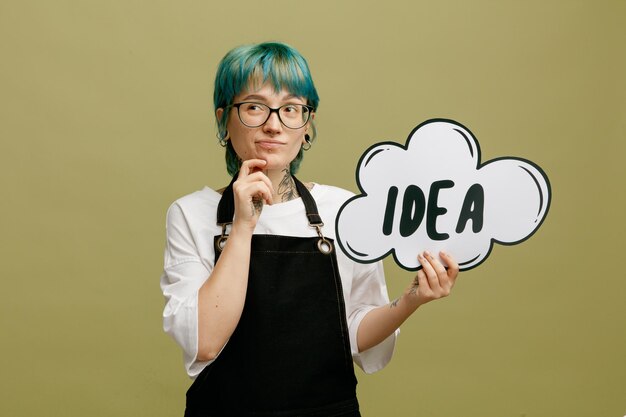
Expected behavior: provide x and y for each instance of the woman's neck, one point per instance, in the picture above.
(284, 185)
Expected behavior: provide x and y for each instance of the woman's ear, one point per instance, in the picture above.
(218, 113)
(308, 124)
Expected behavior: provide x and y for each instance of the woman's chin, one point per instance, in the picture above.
(274, 163)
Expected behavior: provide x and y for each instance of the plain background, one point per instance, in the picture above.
(106, 119)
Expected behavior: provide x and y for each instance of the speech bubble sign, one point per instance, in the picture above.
(433, 193)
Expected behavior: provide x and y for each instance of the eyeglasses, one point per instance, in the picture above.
(293, 116)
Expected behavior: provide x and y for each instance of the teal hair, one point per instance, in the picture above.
(273, 62)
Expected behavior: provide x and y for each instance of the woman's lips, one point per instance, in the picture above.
(268, 144)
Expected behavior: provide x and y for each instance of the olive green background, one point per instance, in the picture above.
(106, 119)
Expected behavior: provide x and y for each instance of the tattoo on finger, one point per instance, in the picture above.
(257, 205)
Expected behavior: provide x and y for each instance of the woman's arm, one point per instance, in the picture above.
(221, 298)
(432, 282)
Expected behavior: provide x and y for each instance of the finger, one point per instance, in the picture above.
(250, 166)
(453, 266)
(259, 176)
(437, 266)
(268, 195)
(242, 190)
(424, 291)
(446, 283)
(246, 191)
(257, 189)
(431, 274)
(422, 281)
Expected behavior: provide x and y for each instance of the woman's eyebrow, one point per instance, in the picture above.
(265, 99)
(254, 97)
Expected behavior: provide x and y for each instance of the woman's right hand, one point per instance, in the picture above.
(252, 189)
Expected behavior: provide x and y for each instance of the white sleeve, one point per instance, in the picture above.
(183, 275)
(368, 292)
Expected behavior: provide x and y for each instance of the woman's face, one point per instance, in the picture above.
(273, 142)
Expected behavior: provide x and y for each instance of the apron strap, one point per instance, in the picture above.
(226, 212)
(312, 213)
(226, 207)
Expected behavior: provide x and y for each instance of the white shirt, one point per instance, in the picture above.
(189, 259)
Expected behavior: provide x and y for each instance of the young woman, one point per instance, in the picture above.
(270, 315)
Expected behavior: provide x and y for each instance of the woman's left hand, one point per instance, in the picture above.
(434, 280)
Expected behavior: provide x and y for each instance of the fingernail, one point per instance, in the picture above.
(427, 254)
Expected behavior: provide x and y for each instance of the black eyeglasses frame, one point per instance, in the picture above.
(273, 110)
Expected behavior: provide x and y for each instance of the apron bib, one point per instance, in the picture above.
(290, 352)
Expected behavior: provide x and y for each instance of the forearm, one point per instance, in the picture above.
(381, 322)
(221, 298)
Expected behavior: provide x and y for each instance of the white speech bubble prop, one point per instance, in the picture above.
(434, 194)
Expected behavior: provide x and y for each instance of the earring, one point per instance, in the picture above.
(308, 144)
(223, 138)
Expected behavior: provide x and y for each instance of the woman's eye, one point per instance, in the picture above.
(253, 107)
(291, 109)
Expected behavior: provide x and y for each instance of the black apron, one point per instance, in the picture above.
(290, 353)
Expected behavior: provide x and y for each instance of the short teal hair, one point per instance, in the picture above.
(273, 62)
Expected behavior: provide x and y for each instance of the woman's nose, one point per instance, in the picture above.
(273, 123)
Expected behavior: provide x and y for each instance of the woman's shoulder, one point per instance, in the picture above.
(330, 192)
(330, 198)
(202, 200)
